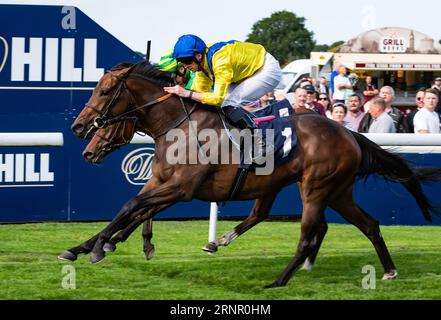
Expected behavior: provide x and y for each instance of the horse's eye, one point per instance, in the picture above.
(104, 93)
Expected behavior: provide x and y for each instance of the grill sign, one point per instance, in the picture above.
(392, 45)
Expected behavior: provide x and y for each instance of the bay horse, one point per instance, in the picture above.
(326, 161)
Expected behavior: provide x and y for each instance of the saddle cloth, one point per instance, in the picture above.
(285, 138)
(280, 132)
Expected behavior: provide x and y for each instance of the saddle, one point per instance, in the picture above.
(273, 124)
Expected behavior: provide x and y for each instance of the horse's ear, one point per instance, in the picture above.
(132, 67)
(123, 73)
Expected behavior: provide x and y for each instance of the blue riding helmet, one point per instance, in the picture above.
(187, 46)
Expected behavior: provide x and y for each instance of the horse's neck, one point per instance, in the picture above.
(174, 113)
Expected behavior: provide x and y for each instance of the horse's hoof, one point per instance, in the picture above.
(96, 258)
(109, 247)
(391, 275)
(210, 247)
(149, 252)
(67, 256)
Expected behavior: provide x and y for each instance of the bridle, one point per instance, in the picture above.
(111, 144)
(106, 119)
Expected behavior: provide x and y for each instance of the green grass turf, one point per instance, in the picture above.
(29, 268)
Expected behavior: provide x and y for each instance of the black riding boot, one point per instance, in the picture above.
(240, 118)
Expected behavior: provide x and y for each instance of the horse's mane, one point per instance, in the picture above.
(152, 73)
(121, 66)
(148, 71)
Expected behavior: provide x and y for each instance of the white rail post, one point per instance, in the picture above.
(213, 222)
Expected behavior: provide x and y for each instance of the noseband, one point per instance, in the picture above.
(111, 144)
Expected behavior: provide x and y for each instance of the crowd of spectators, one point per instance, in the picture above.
(372, 110)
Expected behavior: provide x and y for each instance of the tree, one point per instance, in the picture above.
(284, 35)
(331, 48)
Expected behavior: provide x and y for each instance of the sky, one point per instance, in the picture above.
(134, 22)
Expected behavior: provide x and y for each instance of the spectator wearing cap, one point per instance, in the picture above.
(341, 84)
(339, 112)
(437, 87)
(381, 120)
(311, 100)
(426, 120)
(419, 103)
(354, 114)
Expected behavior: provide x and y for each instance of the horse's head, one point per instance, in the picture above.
(109, 139)
(109, 99)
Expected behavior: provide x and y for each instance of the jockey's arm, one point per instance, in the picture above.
(182, 92)
(202, 85)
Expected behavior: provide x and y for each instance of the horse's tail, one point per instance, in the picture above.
(392, 167)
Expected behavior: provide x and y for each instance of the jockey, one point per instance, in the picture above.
(239, 73)
(183, 76)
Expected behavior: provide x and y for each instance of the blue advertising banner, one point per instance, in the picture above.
(51, 58)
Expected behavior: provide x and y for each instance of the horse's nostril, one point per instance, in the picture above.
(88, 155)
(77, 128)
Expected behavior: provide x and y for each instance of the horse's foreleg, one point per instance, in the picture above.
(151, 201)
(72, 253)
(258, 213)
(121, 236)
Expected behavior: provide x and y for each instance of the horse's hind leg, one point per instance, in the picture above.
(147, 234)
(258, 213)
(312, 218)
(309, 262)
(370, 228)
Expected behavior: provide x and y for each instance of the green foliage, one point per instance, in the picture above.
(284, 35)
(324, 47)
(29, 268)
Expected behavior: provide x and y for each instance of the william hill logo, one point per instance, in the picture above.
(25, 170)
(49, 59)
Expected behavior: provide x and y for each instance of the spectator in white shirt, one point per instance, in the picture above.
(341, 84)
(426, 120)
